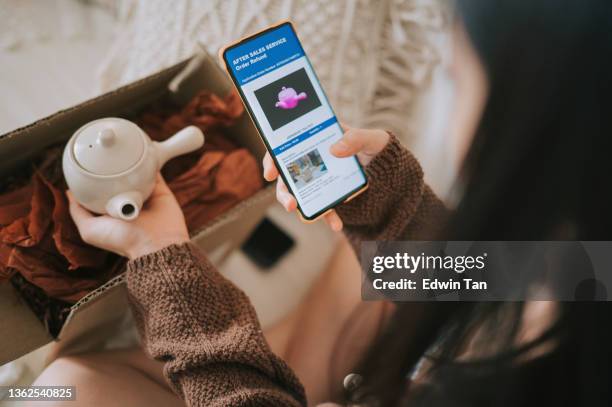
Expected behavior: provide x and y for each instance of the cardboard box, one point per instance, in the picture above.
(95, 317)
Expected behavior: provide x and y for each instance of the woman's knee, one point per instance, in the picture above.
(65, 371)
(74, 371)
(105, 379)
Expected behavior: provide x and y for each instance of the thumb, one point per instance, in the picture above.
(369, 142)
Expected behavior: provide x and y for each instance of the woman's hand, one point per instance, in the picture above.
(363, 143)
(160, 224)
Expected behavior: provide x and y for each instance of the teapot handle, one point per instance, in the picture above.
(185, 141)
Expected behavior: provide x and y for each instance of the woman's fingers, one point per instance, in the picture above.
(79, 214)
(369, 142)
(82, 218)
(270, 172)
(284, 197)
(334, 221)
(351, 143)
(290, 204)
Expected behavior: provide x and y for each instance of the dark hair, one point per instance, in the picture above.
(537, 170)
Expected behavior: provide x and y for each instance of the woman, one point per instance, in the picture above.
(532, 82)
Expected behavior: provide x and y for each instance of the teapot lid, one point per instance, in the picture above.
(108, 146)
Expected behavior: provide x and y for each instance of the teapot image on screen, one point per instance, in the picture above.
(111, 164)
(288, 98)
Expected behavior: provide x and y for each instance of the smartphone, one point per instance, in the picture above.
(286, 102)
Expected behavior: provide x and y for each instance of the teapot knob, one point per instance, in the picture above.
(106, 137)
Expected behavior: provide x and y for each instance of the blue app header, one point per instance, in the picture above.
(263, 54)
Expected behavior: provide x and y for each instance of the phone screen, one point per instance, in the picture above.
(285, 99)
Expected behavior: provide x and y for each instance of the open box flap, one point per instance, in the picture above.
(21, 331)
(20, 145)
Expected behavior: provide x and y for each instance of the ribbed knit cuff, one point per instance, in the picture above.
(394, 177)
(393, 167)
(167, 255)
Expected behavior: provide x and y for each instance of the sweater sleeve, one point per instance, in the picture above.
(206, 331)
(397, 205)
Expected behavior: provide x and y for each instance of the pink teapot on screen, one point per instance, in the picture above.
(288, 98)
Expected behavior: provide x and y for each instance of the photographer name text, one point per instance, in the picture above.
(417, 264)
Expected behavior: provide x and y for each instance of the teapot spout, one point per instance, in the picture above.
(125, 206)
(185, 141)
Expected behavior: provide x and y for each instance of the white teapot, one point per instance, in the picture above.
(111, 164)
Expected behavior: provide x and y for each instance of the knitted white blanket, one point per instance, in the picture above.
(372, 56)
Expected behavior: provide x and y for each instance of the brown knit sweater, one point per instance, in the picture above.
(205, 329)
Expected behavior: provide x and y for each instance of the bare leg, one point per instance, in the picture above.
(326, 336)
(111, 378)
